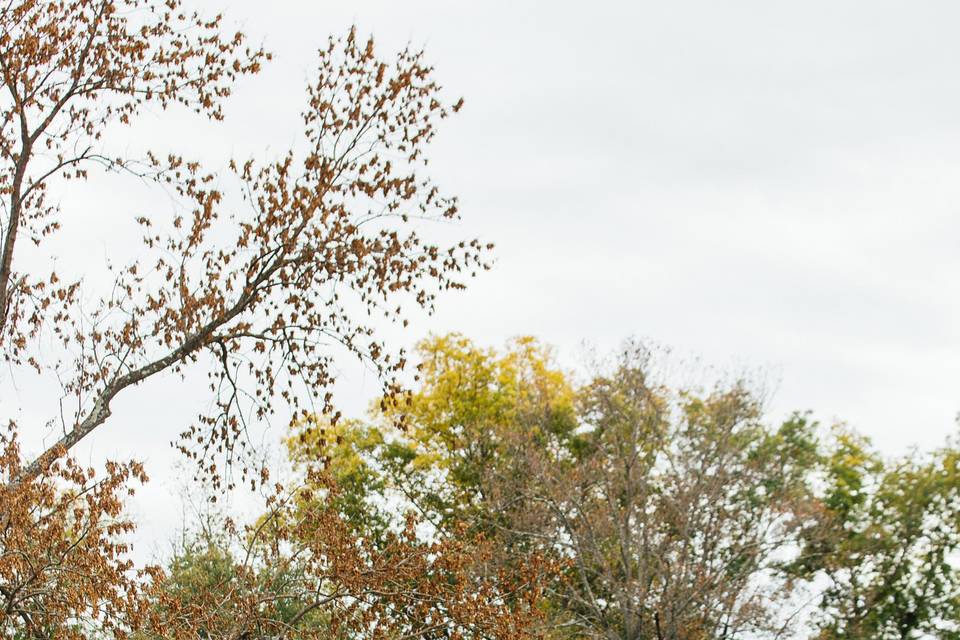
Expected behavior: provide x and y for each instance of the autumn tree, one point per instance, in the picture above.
(681, 509)
(303, 571)
(673, 509)
(254, 294)
(64, 567)
(459, 459)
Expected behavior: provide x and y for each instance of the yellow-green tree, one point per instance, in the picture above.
(464, 430)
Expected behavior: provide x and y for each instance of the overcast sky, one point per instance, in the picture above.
(767, 185)
(764, 184)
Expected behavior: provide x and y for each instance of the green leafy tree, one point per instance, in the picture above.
(889, 544)
(679, 512)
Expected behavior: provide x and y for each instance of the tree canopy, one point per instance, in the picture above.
(673, 512)
(501, 497)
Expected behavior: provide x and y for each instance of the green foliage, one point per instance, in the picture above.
(889, 543)
(347, 448)
(677, 518)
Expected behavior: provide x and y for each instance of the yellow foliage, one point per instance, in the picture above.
(469, 393)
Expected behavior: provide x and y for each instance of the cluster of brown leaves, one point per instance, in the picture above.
(69, 69)
(302, 572)
(64, 568)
